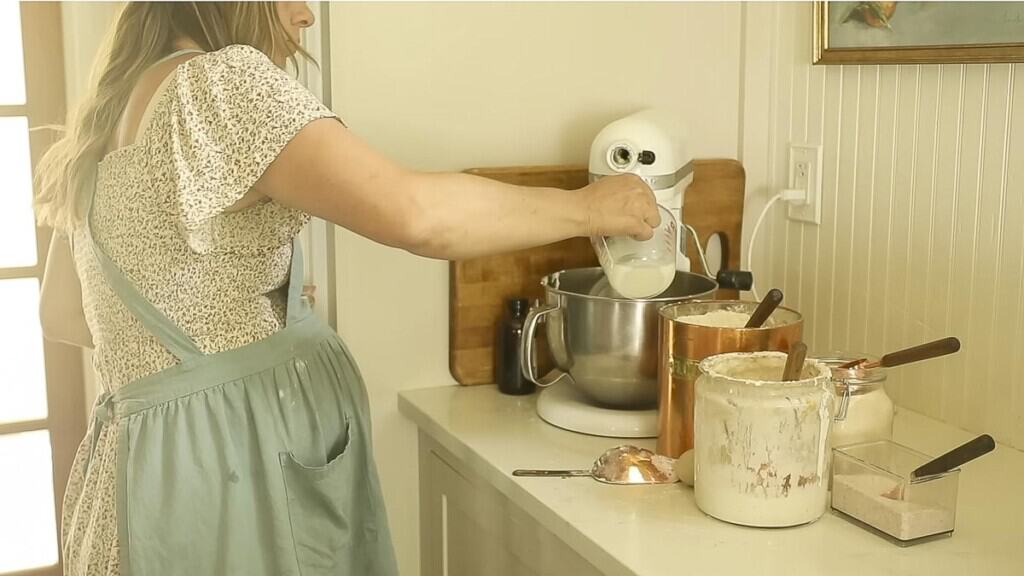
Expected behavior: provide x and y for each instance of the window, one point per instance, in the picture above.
(41, 393)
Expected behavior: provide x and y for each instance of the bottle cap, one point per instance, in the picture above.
(518, 307)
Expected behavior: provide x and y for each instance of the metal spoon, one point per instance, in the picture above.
(764, 310)
(906, 356)
(619, 465)
(953, 459)
(794, 362)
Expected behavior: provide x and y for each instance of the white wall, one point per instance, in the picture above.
(923, 212)
(453, 86)
(85, 27)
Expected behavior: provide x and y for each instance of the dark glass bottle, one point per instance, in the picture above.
(506, 358)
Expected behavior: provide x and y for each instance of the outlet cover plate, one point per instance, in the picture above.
(805, 173)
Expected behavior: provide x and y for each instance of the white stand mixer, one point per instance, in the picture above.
(652, 145)
(564, 406)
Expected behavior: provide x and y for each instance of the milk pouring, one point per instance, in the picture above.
(637, 279)
(640, 269)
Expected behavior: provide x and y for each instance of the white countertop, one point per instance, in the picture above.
(658, 530)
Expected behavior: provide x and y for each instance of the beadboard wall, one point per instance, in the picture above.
(922, 230)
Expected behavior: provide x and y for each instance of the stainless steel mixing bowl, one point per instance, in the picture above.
(606, 346)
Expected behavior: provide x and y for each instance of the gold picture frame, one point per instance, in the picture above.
(825, 53)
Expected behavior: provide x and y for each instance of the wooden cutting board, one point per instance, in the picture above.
(479, 288)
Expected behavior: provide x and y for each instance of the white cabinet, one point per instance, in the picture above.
(468, 528)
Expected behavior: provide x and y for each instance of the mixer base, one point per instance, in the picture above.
(565, 407)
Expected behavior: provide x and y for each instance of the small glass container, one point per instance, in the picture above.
(761, 452)
(864, 410)
(640, 269)
(871, 484)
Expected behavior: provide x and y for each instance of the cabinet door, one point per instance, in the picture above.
(469, 528)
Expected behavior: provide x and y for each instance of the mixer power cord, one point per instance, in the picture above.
(795, 196)
(700, 249)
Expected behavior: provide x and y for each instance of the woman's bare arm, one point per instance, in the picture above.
(60, 302)
(329, 172)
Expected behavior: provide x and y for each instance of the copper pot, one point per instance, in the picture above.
(682, 346)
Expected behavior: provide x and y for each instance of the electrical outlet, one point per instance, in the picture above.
(805, 174)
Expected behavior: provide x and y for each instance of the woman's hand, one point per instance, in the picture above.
(621, 205)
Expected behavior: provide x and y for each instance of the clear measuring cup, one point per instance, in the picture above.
(640, 268)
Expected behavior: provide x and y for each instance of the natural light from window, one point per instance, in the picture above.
(28, 528)
(17, 223)
(22, 373)
(12, 61)
(28, 523)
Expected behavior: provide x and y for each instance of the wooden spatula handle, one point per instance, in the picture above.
(923, 352)
(956, 457)
(764, 310)
(794, 362)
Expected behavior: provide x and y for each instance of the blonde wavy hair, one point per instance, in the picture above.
(144, 33)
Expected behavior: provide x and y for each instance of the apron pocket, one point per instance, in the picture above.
(320, 510)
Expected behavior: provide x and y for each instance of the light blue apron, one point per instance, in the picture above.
(254, 461)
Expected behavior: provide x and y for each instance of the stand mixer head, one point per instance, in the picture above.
(651, 144)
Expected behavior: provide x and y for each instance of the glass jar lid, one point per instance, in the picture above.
(858, 379)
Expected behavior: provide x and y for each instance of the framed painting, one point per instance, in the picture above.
(918, 32)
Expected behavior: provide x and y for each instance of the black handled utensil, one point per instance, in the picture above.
(906, 356)
(955, 458)
(764, 310)
(917, 353)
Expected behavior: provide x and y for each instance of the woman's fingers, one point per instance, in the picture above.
(622, 205)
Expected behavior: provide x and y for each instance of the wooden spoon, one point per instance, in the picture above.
(794, 362)
(906, 356)
(764, 310)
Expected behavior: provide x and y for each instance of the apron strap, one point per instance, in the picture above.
(298, 307)
(156, 322)
(147, 114)
(177, 53)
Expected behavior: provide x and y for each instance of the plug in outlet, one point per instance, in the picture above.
(805, 174)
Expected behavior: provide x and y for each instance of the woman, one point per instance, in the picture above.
(233, 435)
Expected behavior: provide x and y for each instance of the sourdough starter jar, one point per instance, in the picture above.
(762, 448)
